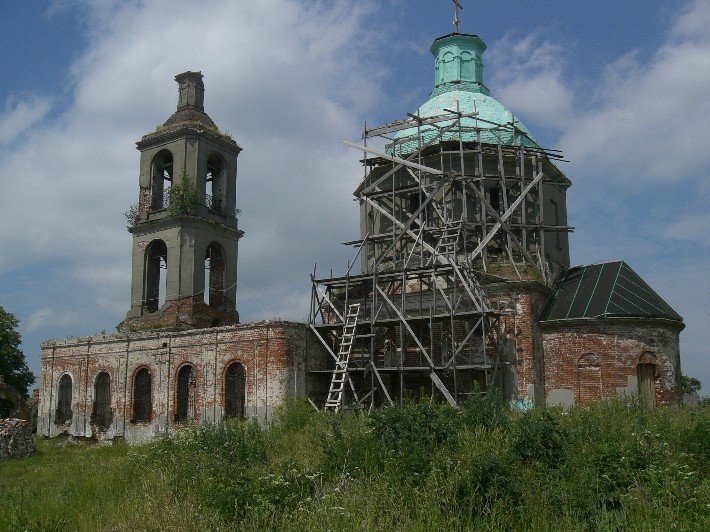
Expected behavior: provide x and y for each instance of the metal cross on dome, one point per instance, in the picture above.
(457, 6)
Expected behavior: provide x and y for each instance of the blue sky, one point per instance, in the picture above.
(620, 87)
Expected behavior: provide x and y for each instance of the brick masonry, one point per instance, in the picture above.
(272, 353)
(588, 360)
(562, 363)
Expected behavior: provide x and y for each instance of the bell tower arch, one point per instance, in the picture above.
(186, 211)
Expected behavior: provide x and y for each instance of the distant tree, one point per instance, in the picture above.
(12, 361)
(689, 385)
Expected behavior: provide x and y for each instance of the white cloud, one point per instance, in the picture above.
(640, 161)
(20, 115)
(49, 315)
(282, 76)
(528, 78)
(651, 118)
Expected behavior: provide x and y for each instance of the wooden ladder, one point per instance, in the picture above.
(447, 246)
(337, 383)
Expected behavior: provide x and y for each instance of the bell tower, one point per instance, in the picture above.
(184, 226)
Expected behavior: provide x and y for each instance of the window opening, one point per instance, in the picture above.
(235, 391)
(215, 183)
(214, 275)
(101, 416)
(142, 402)
(187, 384)
(556, 214)
(162, 180)
(64, 412)
(494, 198)
(156, 275)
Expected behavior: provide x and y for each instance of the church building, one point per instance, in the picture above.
(460, 283)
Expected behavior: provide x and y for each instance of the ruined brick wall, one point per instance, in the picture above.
(272, 354)
(522, 373)
(598, 359)
(16, 440)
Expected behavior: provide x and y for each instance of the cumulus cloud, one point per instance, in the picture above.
(651, 117)
(281, 76)
(528, 77)
(640, 164)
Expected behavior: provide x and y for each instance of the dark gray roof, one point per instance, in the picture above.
(609, 290)
(190, 115)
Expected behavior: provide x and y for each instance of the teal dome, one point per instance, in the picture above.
(459, 88)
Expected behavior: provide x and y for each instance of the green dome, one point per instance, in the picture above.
(459, 87)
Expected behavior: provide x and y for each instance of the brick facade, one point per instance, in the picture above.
(272, 354)
(588, 360)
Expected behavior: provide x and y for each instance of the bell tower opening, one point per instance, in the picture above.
(215, 182)
(214, 275)
(162, 180)
(156, 259)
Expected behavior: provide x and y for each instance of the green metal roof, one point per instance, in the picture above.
(609, 290)
(459, 87)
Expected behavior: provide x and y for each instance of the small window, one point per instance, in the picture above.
(64, 400)
(142, 396)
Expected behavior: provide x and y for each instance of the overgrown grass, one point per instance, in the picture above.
(611, 466)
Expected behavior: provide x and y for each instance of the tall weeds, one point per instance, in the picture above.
(420, 466)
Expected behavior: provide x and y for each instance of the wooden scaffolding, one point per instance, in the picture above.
(445, 214)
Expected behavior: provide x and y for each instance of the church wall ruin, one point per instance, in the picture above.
(272, 354)
(600, 359)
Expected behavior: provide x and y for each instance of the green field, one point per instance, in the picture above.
(612, 466)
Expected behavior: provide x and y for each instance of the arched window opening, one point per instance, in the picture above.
(215, 183)
(101, 416)
(646, 375)
(214, 275)
(142, 396)
(156, 267)
(467, 66)
(161, 180)
(235, 391)
(64, 399)
(186, 388)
